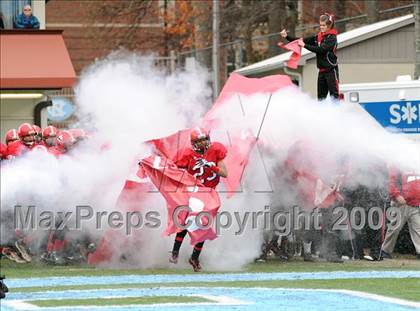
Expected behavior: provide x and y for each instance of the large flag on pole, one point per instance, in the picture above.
(240, 144)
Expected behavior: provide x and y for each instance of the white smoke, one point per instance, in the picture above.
(124, 101)
(334, 131)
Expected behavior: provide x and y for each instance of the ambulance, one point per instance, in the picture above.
(395, 105)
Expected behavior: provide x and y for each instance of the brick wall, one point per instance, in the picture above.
(92, 29)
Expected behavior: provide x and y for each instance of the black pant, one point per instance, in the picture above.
(328, 82)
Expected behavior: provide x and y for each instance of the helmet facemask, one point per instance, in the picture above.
(28, 140)
(9, 141)
(201, 145)
(50, 141)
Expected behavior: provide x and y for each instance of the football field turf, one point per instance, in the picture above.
(296, 285)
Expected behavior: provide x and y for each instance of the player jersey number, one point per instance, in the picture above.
(200, 172)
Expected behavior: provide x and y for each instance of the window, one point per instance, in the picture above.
(10, 9)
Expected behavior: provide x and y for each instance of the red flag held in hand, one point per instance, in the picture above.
(296, 52)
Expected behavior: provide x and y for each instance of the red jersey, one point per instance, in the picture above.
(55, 151)
(16, 148)
(405, 184)
(3, 151)
(316, 175)
(216, 152)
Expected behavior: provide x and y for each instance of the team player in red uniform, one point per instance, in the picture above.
(38, 134)
(64, 143)
(3, 151)
(11, 136)
(49, 136)
(26, 141)
(205, 162)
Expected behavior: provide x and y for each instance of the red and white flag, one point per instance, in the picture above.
(196, 206)
(240, 143)
(172, 146)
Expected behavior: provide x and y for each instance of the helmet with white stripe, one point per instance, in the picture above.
(200, 139)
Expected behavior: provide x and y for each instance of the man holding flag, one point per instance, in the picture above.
(188, 184)
(205, 162)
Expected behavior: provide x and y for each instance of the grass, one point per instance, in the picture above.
(15, 270)
(145, 300)
(405, 288)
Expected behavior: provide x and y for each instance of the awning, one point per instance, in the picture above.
(34, 59)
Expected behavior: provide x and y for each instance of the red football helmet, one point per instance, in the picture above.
(38, 133)
(49, 135)
(200, 139)
(65, 140)
(37, 129)
(11, 135)
(49, 131)
(27, 134)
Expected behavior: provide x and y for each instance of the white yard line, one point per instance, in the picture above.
(398, 301)
(19, 305)
(214, 300)
(223, 300)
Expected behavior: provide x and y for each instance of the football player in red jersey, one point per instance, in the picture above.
(26, 134)
(11, 136)
(38, 134)
(64, 143)
(205, 162)
(3, 151)
(49, 135)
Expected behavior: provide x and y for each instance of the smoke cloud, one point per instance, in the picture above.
(124, 100)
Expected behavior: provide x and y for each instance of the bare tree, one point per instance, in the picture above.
(203, 35)
(292, 16)
(417, 34)
(121, 23)
(276, 22)
(372, 10)
(240, 19)
(340, 13)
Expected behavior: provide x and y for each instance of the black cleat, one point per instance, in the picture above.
(195, 264)
(385, 255)
(335, 259)
(309, 258)
(3, 286)
(173, 258)
(56, 259)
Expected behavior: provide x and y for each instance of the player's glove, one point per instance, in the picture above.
(204, 163)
